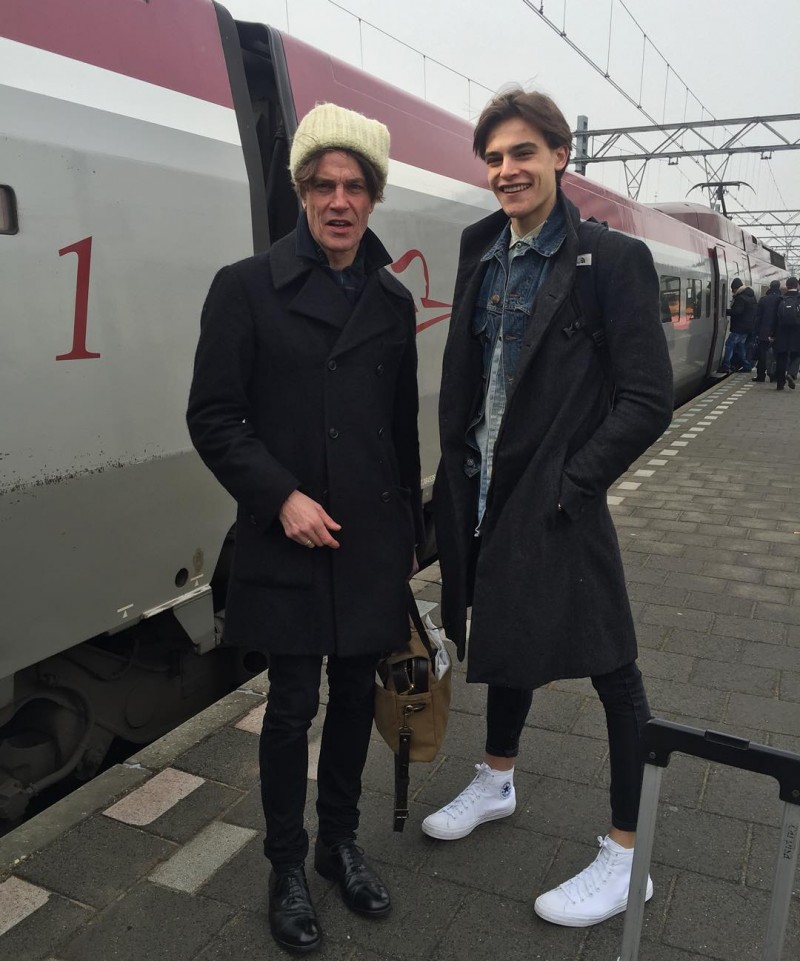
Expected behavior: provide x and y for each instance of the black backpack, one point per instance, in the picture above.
(788, 314)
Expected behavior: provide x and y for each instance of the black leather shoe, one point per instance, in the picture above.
(292, 918)
(361, 888)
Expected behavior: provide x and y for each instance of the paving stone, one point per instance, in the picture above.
(742, 794)
(657, 593)
(761, 592)
(133, 929)
(40, 934)
(685, 619)
(487, 926)
(720, 604)
(575, 758)
(694, 643)
(669, 696)
(421, 909)
(69, 866)
(194, 812)
(749, 630)
(229, 756)
(764, 714)
(790, 686)
(783, 614)
(771, 655)
(701, 842)
(554, 710)
(712, 916)
(696, 582)
(676, 667)
(763, 856)
(556, 809)
(746, 678)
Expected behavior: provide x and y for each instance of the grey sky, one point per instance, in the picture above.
(739, 59)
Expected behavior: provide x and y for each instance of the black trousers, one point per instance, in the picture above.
(787, 361)
(292, 704)
(625, 701)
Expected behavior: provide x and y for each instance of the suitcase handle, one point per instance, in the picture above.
(661, 738)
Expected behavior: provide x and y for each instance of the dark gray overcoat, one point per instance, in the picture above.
(549, 591)
(295, 389)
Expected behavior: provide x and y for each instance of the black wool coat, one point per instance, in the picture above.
(549, 591)
(295, 389)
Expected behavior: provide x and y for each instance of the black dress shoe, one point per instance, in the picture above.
(292, 918)
(361, 888)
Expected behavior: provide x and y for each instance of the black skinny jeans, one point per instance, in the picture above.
(292, 705)
(625, 701)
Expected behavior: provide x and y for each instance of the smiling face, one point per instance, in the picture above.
(338, 205)
(522, 172)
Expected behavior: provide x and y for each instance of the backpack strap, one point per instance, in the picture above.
(591, 321)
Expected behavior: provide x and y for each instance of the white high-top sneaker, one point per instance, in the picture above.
(490, 796)
(596, 894)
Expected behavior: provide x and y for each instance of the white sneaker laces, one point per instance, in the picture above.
(590, 880)
(470, 795)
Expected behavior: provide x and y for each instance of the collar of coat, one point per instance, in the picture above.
(384, 306)
(289, 258)
(546, 243)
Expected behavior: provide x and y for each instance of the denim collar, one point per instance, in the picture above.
(546, 244)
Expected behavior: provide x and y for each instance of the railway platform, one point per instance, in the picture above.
(161, 857)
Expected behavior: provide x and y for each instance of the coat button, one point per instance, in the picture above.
(386, 496)
(380, 432)
(470, 462)
(379, 369)
(494, 299)
(333, 433)
(253, 520)
(331, 365)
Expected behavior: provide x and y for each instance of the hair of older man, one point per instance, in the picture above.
(307, 171)
(536, 109)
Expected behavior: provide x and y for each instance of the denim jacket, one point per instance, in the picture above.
(500, 320)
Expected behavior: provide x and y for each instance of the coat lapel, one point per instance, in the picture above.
(376, 313)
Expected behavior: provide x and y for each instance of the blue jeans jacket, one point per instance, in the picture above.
(500, 321)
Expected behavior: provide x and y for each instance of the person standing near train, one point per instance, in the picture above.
(304, 405)
(765, 322)
(742, 313)
(537, 420)
(786, 336)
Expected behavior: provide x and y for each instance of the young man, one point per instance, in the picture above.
(304, 405)
(536, 422)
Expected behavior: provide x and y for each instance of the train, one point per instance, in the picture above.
(144, 145)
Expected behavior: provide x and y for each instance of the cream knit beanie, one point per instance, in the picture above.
(329, 127)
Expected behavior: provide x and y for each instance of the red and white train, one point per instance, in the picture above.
(142, 145)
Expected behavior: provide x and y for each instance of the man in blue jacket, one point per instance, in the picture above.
(538, 417)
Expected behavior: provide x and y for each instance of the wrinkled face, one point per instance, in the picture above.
(338, 206)
(522, 172)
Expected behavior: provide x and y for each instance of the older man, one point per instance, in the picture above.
(304, 405)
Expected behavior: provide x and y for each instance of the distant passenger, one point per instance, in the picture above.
(539, 414)
(765, 323)
(742, 313)
(304, 405)
(786, 334)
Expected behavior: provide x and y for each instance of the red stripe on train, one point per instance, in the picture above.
(170, 43)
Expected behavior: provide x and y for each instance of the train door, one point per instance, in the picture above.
(267, 120)
(719, 306)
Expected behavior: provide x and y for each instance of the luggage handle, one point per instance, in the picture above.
(659, 740)
(662, 738)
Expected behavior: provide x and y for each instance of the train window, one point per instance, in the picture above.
(8, 210)
(694, 299)
(670, 298)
